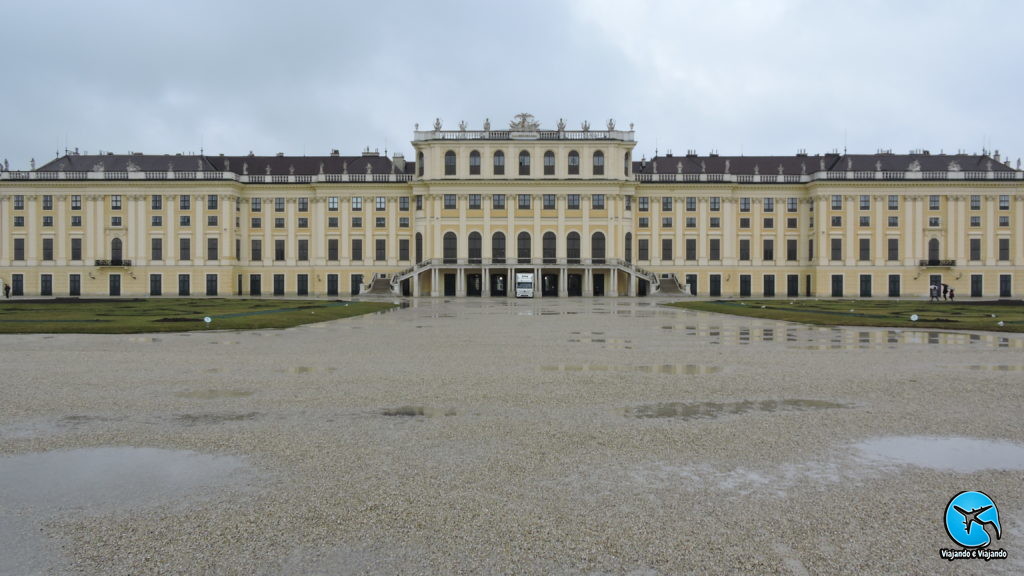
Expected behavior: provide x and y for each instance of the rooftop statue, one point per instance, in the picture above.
(524, 122)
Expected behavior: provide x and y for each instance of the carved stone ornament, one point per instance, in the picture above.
(437, 124)
(227, 165)
(462, 126)
(914, 166)
(245, 168)
(487, 124)
(704, 167)
(954, 166)
(611, 123)
(291, 169)
(321, 168)
(878, 165)
(170, 166)
(757, 170)
(268, 169)
(679, 167)
(803, 167)
(98, 167)
(988, 165)
(199, 164)
(849, 164)
(585, 126)
(781, 170)
(369, 168)
(524, 123)
(821, 165)
(727, 163)
(561, 124)
(344, 167)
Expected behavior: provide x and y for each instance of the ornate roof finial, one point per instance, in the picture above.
(32, 164)
(585, 126)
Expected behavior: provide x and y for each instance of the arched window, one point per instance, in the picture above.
(115, 251)
(419, 164)
(598, 163)
(474, 163)
(523, 247)
(597, 248)
(548, 246)
(549, 163)
(419, 247)
(572, 247)
(498, 248)
(629, 246)
(499, 163)
(449, 163)
(574, 163)
(524, 163)
(626, 164)
(475, 248)
(933, 249)
(451, 248)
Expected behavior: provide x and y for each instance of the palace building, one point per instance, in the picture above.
(473, 207)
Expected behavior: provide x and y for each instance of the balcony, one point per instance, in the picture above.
(118, 263)
(937, 263)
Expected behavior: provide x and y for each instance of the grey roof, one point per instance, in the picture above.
(806, 164)
(302, 165)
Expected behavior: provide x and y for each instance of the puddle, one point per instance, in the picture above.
(687, 369)
(214, 418)
(39, 486)
(953, 454)
(413, 411)
(214, 394)
(710, 410)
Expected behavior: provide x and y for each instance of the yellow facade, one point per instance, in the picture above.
(459, 222)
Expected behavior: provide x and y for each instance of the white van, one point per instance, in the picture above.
(524, 285)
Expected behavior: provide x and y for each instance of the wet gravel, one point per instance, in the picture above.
(490, 436)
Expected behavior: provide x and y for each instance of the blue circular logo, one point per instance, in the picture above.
(972, 519)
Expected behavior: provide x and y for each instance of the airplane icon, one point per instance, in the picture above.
(972, 518)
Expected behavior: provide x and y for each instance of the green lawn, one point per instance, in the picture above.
(882, 313)
(170, 315)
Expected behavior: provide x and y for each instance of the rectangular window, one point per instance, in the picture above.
(975, 248)
(380, 222)
(792, 223)
(19, 202)
(643, 249)
(691, 204)
(48, 221)
(184, 202)
(498, 201)
(357, 203)
(597, 202)
(666, 249)
(666, 204)
(47, 249)
(837, 249)
(810, 249)
(450, 202)
(768, 250)
(933, 202)
(211, 202)
(76, 221)
(573, 202)
(380, 203)
(549, 201)
(380, 249)
(278, 204)
(865, 250)
(715, 249)
(716, 222)
(19, 248)
(184, 220)
(791, 205)
(332, 204)
(837, 220)
(975, 202)
(1004, 249)
(644, 222)
(716, 203)
(211, 249)
(419, 202)
(257, 250)
(691, 221)
(524, 201)
(934, 221)
(893, 221)
(278, 222)
(744, 249)
(769, 204)
(47, 202)
(303, 222)
(1004, 202)
(1004, 221)
(837, 202)
(303, 204)
(865, 221)
(256, 205)
(332, 222)
(76, 249)
(279, 250)
(357, 221)
(691, 248)
(791, 250)
(332, 249)
(156, 248)
(769, 223)
(403, 222)
(357, 249)
(975, 221)
(643, 204)
(403, 249)
(666, 222)
(115, 221)
(744, 222)
(893, 249)
(115, 202)
(865, 202)
(629, 204)
(303, 249)
(184, 249)
(474, 201)
(76, 202)
(157, 221)
(211, 220)
(257, 222)
(744, 204)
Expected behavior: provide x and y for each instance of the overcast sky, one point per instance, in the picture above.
(740, 77)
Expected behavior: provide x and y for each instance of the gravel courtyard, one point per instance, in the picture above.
(571, 436)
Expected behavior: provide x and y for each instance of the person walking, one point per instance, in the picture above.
(945, 291)
(7, 290)
(952, 294)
